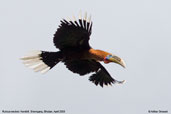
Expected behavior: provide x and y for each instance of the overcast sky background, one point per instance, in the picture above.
(139, 31)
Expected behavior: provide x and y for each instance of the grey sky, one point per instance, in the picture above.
(137, 31)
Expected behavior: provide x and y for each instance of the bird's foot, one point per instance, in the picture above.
(120, 82)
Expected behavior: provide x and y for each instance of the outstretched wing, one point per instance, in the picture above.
(73, 34)
(100, 76)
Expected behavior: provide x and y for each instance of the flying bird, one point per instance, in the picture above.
(72, 40)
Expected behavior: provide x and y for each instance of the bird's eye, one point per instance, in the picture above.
(109, 56)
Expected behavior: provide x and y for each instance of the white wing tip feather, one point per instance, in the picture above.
(80, 15)
(89, 19)
(69, 19)
(85, 17)
(74, 18)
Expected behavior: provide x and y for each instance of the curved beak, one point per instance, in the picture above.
(117, 60)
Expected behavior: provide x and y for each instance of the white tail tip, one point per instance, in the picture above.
(34, 61)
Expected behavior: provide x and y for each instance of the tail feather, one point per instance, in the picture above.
(41, 61)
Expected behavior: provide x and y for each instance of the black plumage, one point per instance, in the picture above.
(70, 36)
(72, 40)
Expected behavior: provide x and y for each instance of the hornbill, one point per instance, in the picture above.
(72, 40)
